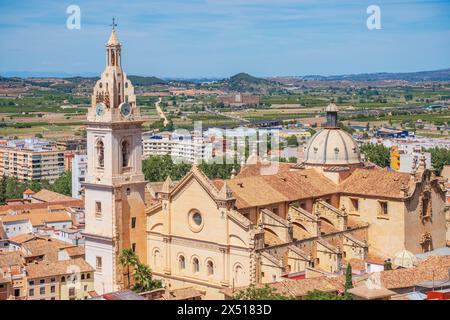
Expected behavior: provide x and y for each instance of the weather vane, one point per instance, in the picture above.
(114, 24)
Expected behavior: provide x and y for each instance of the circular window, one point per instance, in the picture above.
(195, 220)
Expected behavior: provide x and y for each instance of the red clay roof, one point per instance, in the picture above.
(29, 191)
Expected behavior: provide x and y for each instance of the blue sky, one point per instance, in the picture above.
(218, 38)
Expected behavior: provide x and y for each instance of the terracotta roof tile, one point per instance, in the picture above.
(376, 182)
(257, 169)
(8, 259)
(434, 267)
(300, 287)
(282, 187)
(54, 268)
(50, 196)
(38, 217)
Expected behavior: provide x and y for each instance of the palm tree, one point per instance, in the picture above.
(128, 258)
(143, 279)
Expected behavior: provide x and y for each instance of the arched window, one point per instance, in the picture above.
(238, 275)
(100, 154)
(181, 262)
(210, 268)
(195, 265)
(125, 153)
(156, 258)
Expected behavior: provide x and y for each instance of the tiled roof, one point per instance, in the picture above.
(282, 187)
(48, 248)
(49, 196)
(300, 287)
(435, 267)
(259, 168)
(376, 182)
(28, 191)
(369, 293)
(38, 217)
(12, 258)
(54, 268)
(21, 238)
(182, 294)
(75, 251)
(22, 207)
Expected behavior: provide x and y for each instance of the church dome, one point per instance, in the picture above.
(332, 146)
(405, 259)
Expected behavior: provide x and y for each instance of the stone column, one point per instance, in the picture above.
(166, 268)
(225, 263)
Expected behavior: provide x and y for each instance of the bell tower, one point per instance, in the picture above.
(115, 184)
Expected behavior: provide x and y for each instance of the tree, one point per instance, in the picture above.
(128, 258)
(39, 135)
(439, 158)
(3, 183)
(292, 141)
(143, 279)
(377, 153)
(264, 293)
(348, 278)
(63, 184)
(157, 168)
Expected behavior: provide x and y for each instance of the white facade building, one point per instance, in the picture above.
(185, 148)
(79, 168)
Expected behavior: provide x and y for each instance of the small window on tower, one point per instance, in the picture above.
(128, 191)
(133, 222)
(125, 151)
(133, 247)
(98, 264)
(98, 209)
(100, 154)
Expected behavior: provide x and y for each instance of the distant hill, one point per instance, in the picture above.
(246, 78)
(245, 82)
(436, 75)
(145, 81)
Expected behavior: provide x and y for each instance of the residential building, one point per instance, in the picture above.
(31, 159)
(79, 169)
(59, 280)
(407, 159)
(185, 148)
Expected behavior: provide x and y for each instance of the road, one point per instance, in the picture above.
(161, 113)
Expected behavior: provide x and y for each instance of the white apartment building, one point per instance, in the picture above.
(79, 169)
(182, 147)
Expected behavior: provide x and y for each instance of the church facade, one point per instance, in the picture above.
(308, 219)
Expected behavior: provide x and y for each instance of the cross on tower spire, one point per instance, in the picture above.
(114, 24)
